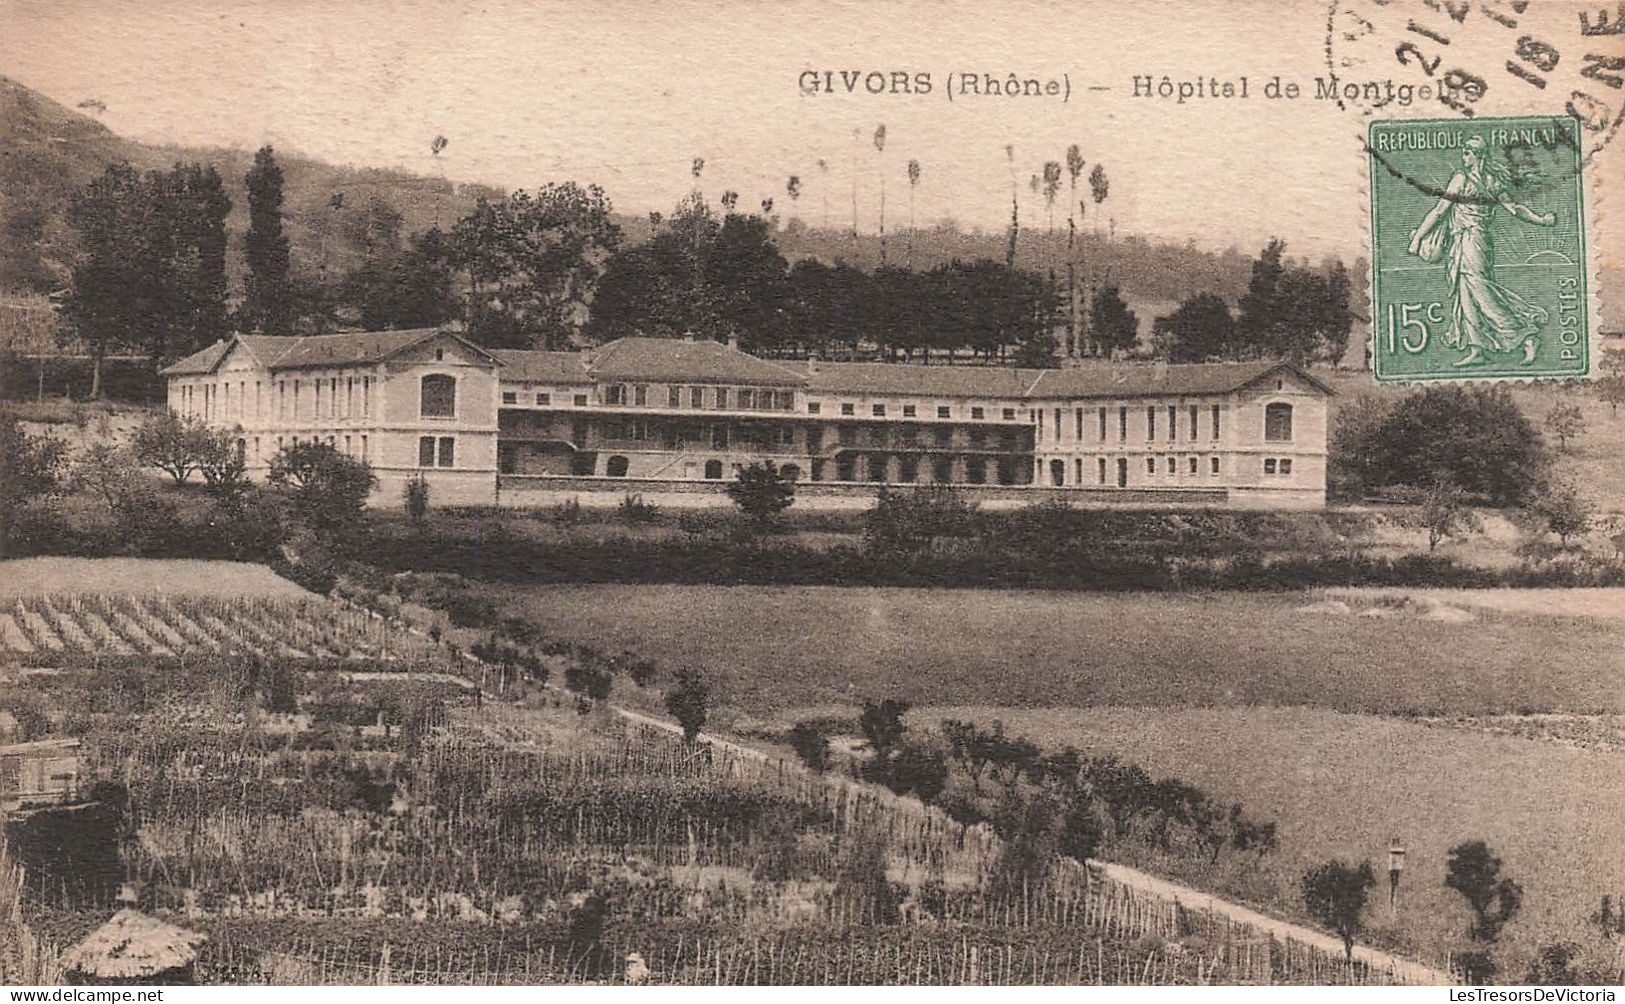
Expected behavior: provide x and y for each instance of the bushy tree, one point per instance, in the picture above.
(1199, 330)
(1610, 386)
(1081, 833)
(882, 726)
(1113, 328)
(1475, 872)
(222, 463)
(30, 468)
(686, 701)
(173, 443)
(761, 491)
(1334, 894)
(1477, 437)
(531, 260)
(326, 490)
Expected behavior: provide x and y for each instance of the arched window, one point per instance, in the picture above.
(616, 467)
(1278, 422)
(439, 396)
(713, 470)
(790, 472)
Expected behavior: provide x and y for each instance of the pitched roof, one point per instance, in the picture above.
(132, 945)
(926, 381)
(350, 348)
(543, 367)
(677, 361)
(1159, 379)
(202, 361)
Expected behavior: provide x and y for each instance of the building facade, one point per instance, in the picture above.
(668, 411)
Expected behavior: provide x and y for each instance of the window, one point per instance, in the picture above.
(1102, 470)
(439, 355)
(1193, 465)
(1057, 472)
(1215, 421)
(945, 435)
(1173, 422)
(696, 397)
(1193, 423)
(1077, 471)
(747, 398)
(877, 435)
(363, 447)
(976, 414)
(438, 396)
(815, 439)
(849, 409)
(908, 469)
(640, 395)
(1150, 422)
(510, 397)
(1122, 424)
(908, 411)
(616, 466)
(580, 400)
(908, 435)
(346, 445)
(942, 470)
(426, 451)
(1057, 424)
(1151, 465)
(1078, 434)
(1278, 422)
(880, 411)
(719, 437)
(877, 467)
(1213, 465)
(448, 452)
(1103, 423)
(813, 407)
(846, 435)
(713, 470)
(614, 394)
(1269, 465)
(1009, 414)
(943, 411)
(544, 399)
(1170, 465)
(784, 400)
(674, 396)
(1286, 466)
(332, 397)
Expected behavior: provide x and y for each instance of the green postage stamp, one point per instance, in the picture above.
(1478, 249)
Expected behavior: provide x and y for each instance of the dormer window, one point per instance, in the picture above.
(438, 398)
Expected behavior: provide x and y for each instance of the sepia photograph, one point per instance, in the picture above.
(536, 493)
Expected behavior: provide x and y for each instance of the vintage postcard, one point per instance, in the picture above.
(556, 494)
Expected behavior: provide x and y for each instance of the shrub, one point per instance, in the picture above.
(1560, 508)
(415, 499)
(589, 681)
(920, 770)
(1565, 421)
(686, 701)
(1081, 833)
(30, 467)
(910, 522)
(635, 511)
(567, 512)
(761, 491)
(811, 745)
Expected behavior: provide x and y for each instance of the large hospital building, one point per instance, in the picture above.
(664, 414)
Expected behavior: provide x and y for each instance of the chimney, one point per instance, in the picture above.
(733, 341)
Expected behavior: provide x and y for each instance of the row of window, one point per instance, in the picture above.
(720, 398)
(543, 399)
(353, 446)
(978, 413)
(437, 451)
(331, 397)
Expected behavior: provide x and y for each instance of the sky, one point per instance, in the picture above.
(626, 95)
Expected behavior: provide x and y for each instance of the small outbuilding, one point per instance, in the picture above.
(134, 948)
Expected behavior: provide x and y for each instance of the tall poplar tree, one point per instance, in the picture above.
(268, 306)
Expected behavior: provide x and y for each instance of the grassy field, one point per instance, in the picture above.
(772, 650)
(1344, 785)
(142, 577)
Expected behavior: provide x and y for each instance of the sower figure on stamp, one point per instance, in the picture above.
(1484, 314)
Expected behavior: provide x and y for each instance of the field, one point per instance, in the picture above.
(322, 825)
(773, 650)
(1349, 718)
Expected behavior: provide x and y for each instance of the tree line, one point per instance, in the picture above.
(551, 268)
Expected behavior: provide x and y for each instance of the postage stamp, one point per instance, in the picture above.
(1478, 249)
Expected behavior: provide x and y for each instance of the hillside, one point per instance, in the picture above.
(47, 151)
